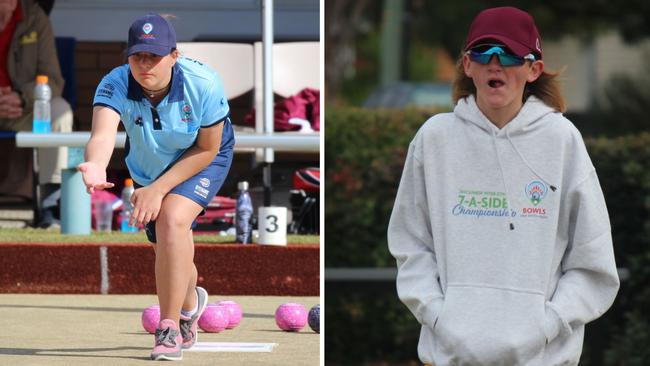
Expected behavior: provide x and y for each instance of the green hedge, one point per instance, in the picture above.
(364, 155)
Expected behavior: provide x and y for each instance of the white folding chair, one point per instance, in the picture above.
(296, 65)
(233, 61)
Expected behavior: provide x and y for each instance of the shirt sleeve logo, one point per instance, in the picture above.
(106, 90)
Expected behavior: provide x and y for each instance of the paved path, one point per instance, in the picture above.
(69, 330)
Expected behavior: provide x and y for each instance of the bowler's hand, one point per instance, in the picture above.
(10, 103)
(94, 176)
(146, 204)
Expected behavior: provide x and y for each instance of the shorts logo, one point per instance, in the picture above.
(201, 191)
(536, 191)
(147, 28)
(187, 113)
(205, 182)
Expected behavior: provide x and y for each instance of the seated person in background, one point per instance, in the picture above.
(27, 49)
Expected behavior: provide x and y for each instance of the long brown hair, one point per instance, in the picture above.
(546, 87)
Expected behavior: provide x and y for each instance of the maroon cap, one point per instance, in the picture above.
(513, 27)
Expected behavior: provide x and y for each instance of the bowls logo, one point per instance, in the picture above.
(147, 28)
(536, 191)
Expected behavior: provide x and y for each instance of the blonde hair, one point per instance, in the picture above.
(546, 87)
(168, 16)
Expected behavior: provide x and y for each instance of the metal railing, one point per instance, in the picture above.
(277, 141)
(347, 274)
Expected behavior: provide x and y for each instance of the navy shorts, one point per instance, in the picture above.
(200, 188)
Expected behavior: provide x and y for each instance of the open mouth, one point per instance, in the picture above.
(496, 83)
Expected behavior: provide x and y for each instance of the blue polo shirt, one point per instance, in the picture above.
(158, 136)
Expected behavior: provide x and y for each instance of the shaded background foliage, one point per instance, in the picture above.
(365, 152)
(622, 110)
(352, 32)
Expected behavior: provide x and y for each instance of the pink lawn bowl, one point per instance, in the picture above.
(291, 317)
(150, 318)
(214, 319)
(234, 311)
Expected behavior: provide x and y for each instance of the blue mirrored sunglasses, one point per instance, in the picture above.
(482, 54)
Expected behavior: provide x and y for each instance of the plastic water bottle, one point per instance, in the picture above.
(127, 207)
(244, 214)
(42, 114)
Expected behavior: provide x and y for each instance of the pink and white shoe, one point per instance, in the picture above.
(189, 326)
(168, 342)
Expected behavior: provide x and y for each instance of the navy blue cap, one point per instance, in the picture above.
(151, 33)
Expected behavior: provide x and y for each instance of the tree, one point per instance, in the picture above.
(343, 22)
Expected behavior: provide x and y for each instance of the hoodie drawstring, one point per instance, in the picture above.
(521, 156)
(503, 177)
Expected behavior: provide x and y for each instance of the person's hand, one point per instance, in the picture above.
(10, 103)
(146, 205)
(94, 176)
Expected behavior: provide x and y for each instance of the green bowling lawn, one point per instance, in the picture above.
(54, 236)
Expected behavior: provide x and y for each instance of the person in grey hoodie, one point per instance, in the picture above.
(500, 229)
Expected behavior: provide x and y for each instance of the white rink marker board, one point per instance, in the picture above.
(231, 347)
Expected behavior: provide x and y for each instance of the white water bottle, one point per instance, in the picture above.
(42, 122)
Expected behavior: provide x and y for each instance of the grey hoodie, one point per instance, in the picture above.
(502, 239)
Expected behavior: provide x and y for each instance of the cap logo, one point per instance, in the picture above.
(537, 45)
(147, 28)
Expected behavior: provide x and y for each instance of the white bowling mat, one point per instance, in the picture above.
(231, 347)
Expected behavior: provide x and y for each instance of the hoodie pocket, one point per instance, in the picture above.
(490, 326)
